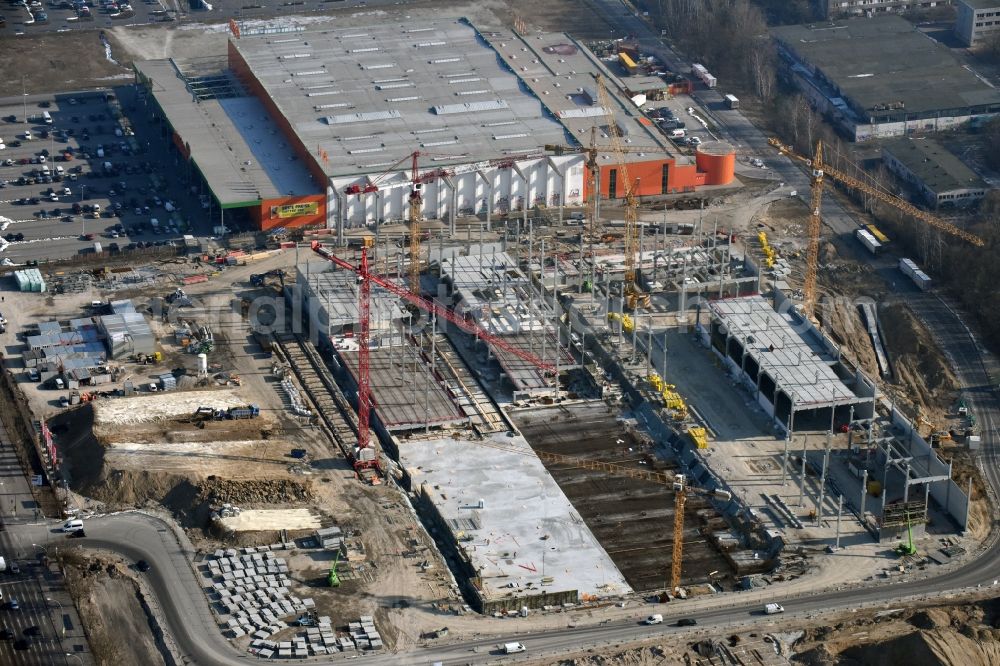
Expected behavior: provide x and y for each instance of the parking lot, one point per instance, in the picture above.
(680, 124)
(94, 171)
(33, 16)
(65, 15)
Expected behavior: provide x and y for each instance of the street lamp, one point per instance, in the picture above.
(56, 601)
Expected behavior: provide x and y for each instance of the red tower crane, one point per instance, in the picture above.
(363, 458)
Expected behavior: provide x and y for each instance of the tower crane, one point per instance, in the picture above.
(820, 172)
(416, 199)
(678, 483)
(634, 297)
(364, 456)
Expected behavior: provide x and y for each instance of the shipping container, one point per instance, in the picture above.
(869, 241)
(704, 75)
(627, 63)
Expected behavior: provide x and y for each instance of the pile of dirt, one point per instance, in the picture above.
(248, 493)
(841, 319)
(939, 636)
(937, 647)
(111, 607)
(634, 657)
(921, 371)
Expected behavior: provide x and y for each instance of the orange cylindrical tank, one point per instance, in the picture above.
(717, 160)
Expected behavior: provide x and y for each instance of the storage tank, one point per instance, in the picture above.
(202, 364)
(717, 159)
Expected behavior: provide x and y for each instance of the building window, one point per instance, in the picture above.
(613, 184)
(665, 178)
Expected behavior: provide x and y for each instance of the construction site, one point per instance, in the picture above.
(464, 412)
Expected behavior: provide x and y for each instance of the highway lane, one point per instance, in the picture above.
(192, 627)
(38, 589)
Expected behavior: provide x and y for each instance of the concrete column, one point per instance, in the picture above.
(453, 184)
(906, 485)
(864, 495)
(562, 186)
(840, 514)
(885, 478)
(822, 479)
(784, 459)
(968, 505)
(802, 477)
(927, 497)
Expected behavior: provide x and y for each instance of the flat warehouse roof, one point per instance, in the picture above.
(800, 366)
(237, 146)
(364, 99)
(366, 96)
(886, 61)
(931, 162)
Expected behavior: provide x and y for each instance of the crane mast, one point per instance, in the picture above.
(364, 365)
(815, 226)
(363, 458)
(634, 298)
(416, 211)
(820, 173)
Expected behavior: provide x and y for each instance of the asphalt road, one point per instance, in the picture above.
(38, 589)
(193, 629)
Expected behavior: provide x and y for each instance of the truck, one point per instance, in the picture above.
(247, 412)
(513, 648)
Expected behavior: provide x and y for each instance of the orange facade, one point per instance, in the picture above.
(292, 211)
(298, 211)
(719, 168)
(659, 177)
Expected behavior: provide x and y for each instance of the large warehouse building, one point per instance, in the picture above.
(882, 77)
(318, 125)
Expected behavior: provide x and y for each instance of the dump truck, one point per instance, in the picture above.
(247, 412)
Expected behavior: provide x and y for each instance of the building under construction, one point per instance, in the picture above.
(793, 370)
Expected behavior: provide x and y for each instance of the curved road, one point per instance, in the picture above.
(193, 630)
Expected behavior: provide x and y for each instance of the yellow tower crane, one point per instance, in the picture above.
(677, 482)
(633, 296)
(820, 172)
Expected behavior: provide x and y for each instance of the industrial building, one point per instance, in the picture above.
(942, 179)
(845, 8)
(976, 21)
(790, 367)
(313, 125)
(881, 77)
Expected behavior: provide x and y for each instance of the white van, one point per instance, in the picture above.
(46, 117)
(773, 609)
(654, 619)
(512, 648)
(74, 525)
(677, 134)
(26, 135)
